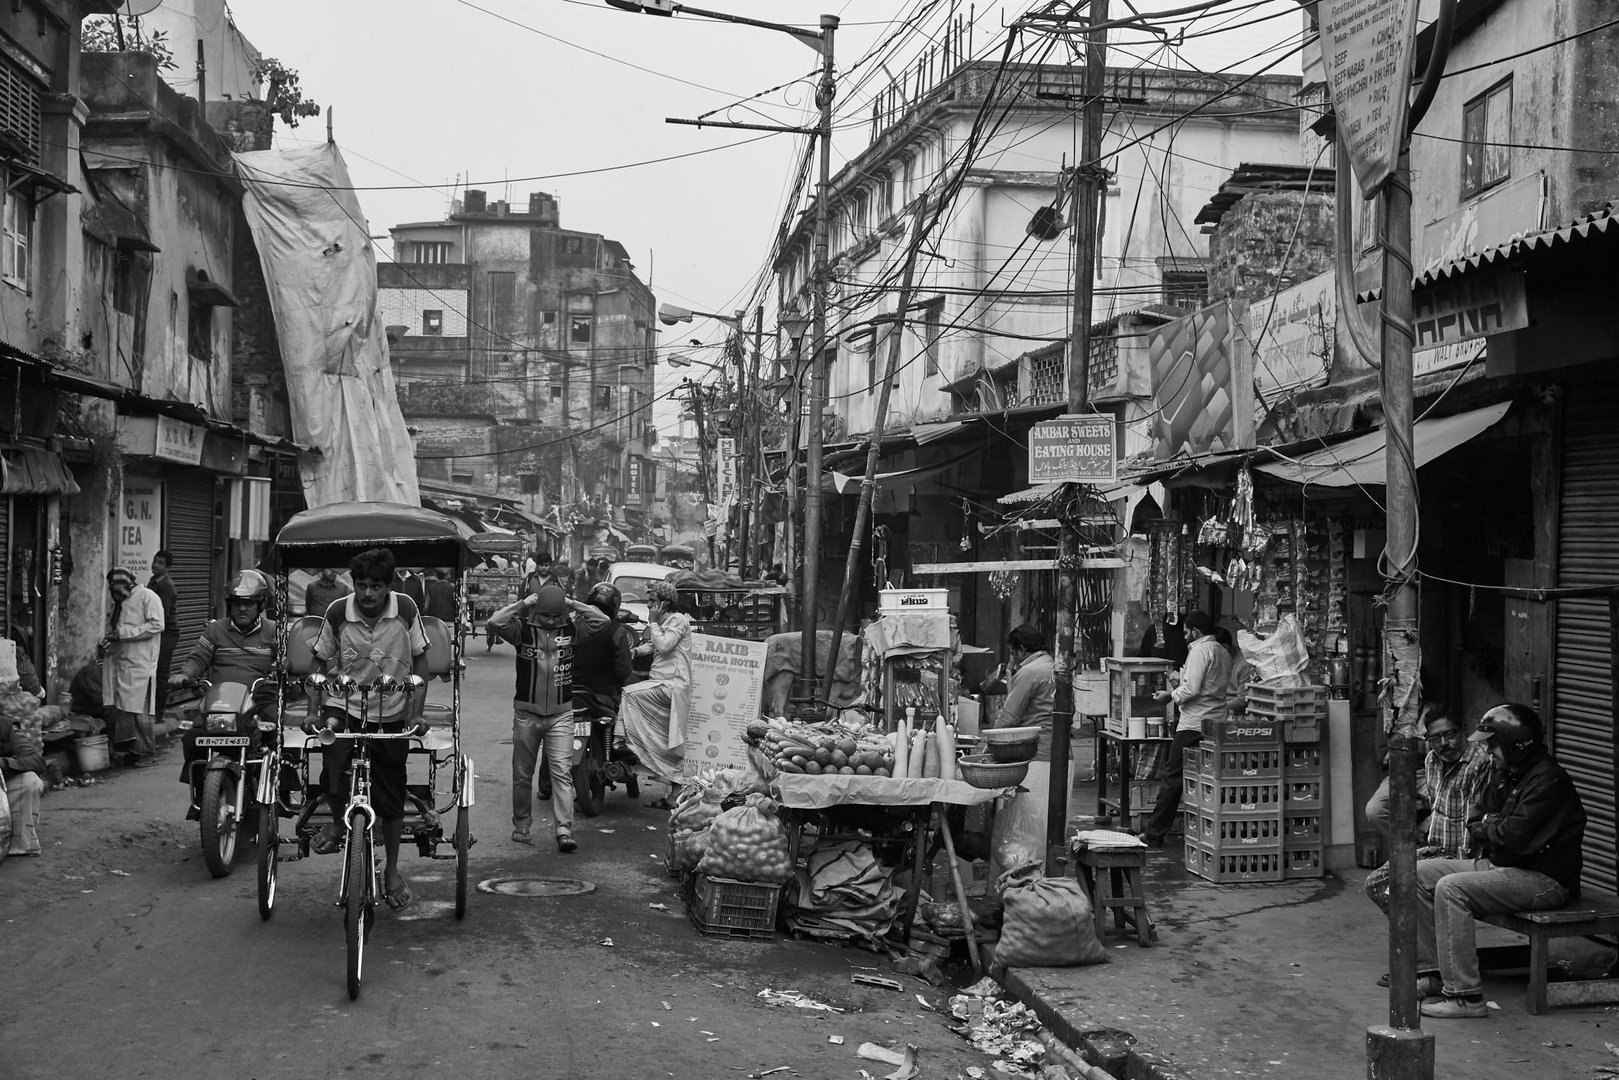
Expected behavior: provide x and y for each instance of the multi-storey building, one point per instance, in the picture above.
(524, 354)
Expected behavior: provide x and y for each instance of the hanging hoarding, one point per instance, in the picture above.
(727, 679)
(1074, 450)
(1366, 46)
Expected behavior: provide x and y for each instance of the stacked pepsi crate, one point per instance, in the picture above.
(1301, 711)
(1232, 802)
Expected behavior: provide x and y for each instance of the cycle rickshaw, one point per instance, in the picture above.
(331, 536)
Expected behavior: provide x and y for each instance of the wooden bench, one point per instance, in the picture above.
(1589, 916)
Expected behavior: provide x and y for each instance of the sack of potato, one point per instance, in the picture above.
(747, 844)
(689, 846)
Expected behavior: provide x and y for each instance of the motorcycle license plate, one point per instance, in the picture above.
(223, 740)
(581, 729)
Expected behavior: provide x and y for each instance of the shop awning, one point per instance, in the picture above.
(25, 470)
(842, 483)
(1363, 459)
(1045, 491)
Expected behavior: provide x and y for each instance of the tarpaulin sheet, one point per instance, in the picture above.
(804, 792)
(321, 273)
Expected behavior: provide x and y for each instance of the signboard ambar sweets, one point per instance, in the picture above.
(1073, 450)
(1366, 46)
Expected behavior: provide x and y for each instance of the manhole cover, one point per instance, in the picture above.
(536, 886)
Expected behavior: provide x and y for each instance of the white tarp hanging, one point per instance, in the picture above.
(322, 277)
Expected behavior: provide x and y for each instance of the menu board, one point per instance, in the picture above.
(727, 681)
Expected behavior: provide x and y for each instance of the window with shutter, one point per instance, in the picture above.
(19, 111)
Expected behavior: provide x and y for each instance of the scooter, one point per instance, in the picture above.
(224, 777)
(597, 766)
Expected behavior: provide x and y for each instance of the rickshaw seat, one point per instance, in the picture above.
(301, 645)
(440, 654)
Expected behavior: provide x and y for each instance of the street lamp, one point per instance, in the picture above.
(822, 42)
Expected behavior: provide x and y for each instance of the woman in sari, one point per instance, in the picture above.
(654, 711)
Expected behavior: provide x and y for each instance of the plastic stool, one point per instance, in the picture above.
(1112, 879)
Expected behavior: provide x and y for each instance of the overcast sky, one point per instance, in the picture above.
(428, 91)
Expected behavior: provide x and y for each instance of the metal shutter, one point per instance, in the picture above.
(1588, 523)
(188, 534)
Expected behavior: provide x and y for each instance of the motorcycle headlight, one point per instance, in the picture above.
(222, 723)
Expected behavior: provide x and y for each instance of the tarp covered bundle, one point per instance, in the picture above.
(321, 274)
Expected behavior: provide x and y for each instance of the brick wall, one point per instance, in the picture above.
(1249, 252)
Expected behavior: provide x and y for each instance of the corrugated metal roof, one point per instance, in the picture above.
(1590, 225)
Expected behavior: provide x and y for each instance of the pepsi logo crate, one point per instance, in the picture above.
(1302, 761)
(1301, 830)
(1233, 866)
(1304, 862)
(1234, 833)
(1251, 731)
(1239, 762)
(1250, 797)
(1303, 794)
(1196, 791)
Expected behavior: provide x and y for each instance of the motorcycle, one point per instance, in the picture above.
(223, 778)
(598, 766)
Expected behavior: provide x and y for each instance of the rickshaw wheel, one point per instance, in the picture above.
(219, 824)
(358, 902)
(268, 843)
(463, 851)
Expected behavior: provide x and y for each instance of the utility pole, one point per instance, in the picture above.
(1089, 176)
(694, 394)
(750, 439)
(824, 95)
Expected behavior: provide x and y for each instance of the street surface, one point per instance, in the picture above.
(127, 960)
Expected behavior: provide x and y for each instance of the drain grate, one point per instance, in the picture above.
(534, 887)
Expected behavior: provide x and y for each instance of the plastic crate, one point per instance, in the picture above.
(1234, 833)
(1240, 762)
(722, 907)
(1286, 700)
(1253, 731)
(1251, 798)
(1302, 761)
(1302, 729)
(1231, 866)
(1301, 830)
(1192, 790)
(1303, 794)
(1302, 862)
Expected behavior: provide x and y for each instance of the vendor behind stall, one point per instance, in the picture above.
(1019, 834)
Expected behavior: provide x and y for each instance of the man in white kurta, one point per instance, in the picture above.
(129, 653)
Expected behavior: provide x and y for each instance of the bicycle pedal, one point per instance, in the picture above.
(289, 858)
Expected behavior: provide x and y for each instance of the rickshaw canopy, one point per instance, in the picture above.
(331, 535)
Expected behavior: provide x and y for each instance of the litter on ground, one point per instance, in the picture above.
(794, 999)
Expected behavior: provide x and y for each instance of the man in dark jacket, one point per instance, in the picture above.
(601, 658)
(1530, 831)
(544, 627)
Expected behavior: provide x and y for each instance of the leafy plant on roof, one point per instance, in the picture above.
(115, 33)
(282, 92)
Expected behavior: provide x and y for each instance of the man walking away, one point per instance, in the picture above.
(1200, 696)
(1529, 837)
(163, 585)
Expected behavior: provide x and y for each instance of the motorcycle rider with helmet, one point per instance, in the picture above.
(1529, 829)
(239, 648)
(601, 658)
(544, 626)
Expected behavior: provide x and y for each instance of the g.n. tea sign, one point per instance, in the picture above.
(1073, 450)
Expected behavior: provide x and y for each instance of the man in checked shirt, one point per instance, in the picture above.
(1452, 781)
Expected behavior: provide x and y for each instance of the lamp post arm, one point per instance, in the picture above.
(813, 38)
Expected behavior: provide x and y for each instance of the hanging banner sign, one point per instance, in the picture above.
(1073, 450)
(140, 524)
(726, 492)
(1366, 46)
(727, 681)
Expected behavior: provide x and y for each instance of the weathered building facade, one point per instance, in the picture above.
(524, 354)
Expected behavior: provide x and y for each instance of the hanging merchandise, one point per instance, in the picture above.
(1003, 583)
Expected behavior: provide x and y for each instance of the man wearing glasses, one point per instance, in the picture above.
(1451, 783)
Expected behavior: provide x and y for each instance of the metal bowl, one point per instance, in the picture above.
(982, 771)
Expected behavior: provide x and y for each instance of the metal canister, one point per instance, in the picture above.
(1338, 678)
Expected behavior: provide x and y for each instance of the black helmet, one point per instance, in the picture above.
(550, 600)
(604, 596)
(1515, 728)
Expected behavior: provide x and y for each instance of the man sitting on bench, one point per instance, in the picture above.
(1530, 832)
